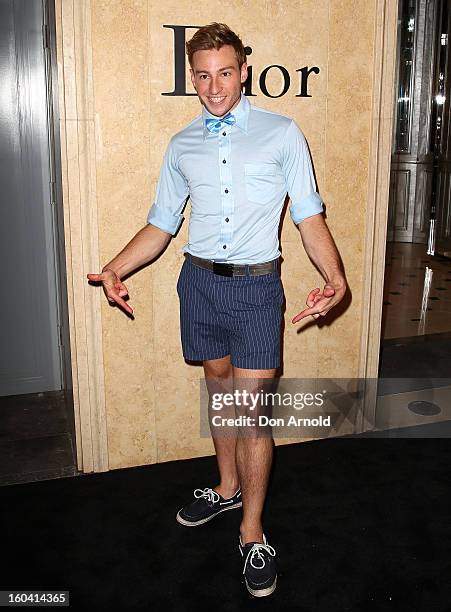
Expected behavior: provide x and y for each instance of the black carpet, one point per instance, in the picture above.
(357, 524)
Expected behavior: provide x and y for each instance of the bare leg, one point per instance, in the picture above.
(218, 376)
(254, 458)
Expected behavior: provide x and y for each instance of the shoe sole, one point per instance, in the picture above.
(186, 523)
(262, 592)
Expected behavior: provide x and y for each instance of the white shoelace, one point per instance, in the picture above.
(256, 553)
(208, 494)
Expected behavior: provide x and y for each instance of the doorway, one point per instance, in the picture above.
(37, 433)
(415, 358)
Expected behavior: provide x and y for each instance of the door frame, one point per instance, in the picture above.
(74, 122)
(383, 108)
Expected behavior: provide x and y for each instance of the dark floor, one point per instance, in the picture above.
(417, 294)
(413, 363)
(35, 437)
(427, 356)
(357, 525)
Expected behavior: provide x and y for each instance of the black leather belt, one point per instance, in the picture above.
(229, 269)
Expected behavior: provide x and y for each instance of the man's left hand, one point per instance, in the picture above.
(320, 303)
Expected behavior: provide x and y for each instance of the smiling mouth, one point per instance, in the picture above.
(217, 100)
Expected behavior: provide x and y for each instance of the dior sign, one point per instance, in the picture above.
(180, 71)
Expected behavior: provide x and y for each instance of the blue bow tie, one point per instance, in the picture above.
(215, 125)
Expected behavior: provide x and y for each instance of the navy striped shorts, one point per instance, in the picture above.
(238, 316)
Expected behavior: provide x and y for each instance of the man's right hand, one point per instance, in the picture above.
(113, 288)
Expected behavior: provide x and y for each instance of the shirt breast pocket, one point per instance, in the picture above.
(263, 181)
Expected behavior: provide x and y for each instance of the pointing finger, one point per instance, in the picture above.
(120, 302)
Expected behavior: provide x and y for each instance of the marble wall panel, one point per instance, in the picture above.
(152, 395)
(121, 60)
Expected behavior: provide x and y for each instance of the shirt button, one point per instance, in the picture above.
(224, 161)
(226, 190)
(227, 219)
(224, 246)
(224, 134)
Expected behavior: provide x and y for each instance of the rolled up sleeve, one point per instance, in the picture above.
(300, 180)
(171, 195)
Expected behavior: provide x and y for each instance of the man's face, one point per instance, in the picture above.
(217, 79)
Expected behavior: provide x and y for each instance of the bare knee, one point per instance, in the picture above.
(220, 369)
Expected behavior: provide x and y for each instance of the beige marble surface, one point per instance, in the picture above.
(151, 394)
(120, 50)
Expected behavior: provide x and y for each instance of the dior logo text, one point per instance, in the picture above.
(180, 71)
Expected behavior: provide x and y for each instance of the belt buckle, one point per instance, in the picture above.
(223, 269)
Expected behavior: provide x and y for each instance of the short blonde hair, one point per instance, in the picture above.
(215, 36)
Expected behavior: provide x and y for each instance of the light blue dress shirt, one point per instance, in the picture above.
(237, 181)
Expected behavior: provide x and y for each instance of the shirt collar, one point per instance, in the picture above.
(241, 113)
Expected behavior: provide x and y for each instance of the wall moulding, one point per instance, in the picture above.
(385, 38)
(73, 31)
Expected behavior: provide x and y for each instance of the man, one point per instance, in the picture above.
(236, 162)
